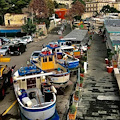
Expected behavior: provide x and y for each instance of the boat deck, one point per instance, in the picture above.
(35, 96)
(56, 71)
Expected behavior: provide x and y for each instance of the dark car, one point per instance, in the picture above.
(17, 49)
(5, 79)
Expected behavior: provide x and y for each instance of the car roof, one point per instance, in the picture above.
(36, 51)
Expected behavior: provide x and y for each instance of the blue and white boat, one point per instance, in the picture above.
(64, 59)
(67, 60)
(36, 98)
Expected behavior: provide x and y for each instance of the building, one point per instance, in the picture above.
(15, 19)
(112, 32)
(95, 6)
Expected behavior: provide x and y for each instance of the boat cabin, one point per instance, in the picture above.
(46, 60)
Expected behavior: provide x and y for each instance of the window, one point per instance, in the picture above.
(50, 58)
(44, 59)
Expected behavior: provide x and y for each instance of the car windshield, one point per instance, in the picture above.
(25, 37)
(35, 54)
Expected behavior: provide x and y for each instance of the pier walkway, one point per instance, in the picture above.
(100, 94)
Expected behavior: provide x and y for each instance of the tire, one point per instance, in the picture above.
(19, 53)
(6, 53)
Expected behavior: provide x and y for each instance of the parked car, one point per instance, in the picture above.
(34, 56)
(18, 40)
(28, 39)
(17, 48)
(4, 50)
(4, 40)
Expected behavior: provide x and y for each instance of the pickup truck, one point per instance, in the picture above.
(17, 49)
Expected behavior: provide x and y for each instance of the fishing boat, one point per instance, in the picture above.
(47, 63)
(64, 59)
(70, 50)
(36, 97)
(67, 60)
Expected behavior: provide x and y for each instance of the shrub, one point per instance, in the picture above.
(72, 109)
(77, 93)
(82, 70)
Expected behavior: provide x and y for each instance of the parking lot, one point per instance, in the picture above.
(21, 61)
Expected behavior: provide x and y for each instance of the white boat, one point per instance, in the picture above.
(36, 98)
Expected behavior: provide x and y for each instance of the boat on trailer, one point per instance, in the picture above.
(36, 97)
(47, 63)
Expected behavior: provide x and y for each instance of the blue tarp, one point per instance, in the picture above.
(10, 31)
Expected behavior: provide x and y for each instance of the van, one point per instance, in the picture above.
(17, 49)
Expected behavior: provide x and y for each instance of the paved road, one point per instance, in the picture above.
(21, 61)
(98, 82)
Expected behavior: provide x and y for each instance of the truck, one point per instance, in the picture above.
(17, 49)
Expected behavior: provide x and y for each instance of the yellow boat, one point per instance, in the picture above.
(47, 63)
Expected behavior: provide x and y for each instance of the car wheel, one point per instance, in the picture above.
(6, 53)
(19, 53)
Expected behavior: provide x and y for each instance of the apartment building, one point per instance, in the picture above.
(97, 5)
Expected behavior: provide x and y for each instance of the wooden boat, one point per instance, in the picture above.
(36, 98)
(47, 63)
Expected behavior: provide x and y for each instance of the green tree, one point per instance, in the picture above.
(108, 9)
(29, 28)
(56, 4)
(105, 9)
(51, 7)
(12, 6)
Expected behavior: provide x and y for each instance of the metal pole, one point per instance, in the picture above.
(78, 81)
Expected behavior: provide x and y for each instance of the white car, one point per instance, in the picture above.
(4, 50)
(27, 39)
(18, 40)
(34, 56)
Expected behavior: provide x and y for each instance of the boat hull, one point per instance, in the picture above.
(60, 78)
(38, 113)
(70, 65)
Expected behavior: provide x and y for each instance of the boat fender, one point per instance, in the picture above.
(53, 89)
(19, 93)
